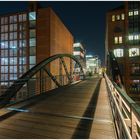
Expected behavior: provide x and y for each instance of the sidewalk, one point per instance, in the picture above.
(103, 126)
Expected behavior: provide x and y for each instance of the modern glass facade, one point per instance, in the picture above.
(17, 45)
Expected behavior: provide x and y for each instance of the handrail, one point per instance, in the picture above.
(125, 111)
(18, 84)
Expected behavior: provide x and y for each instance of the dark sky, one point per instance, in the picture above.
(84, 19)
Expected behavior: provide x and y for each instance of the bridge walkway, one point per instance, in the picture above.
(77, 111)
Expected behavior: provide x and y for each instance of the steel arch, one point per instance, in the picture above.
(18, 84)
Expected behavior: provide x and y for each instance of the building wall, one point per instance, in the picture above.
(126, 62)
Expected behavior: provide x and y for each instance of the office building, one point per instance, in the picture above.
(28, 37)
(123, 38)
(93, 64)
(80, 53)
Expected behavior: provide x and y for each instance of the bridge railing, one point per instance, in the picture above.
(125, 111)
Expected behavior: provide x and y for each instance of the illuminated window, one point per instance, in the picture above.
(4, 20)
(32, 16)
(22, 60)
(32, 59)
(22, 17)
(4, 36)
(22, 43)
(136, 37)
(13, 44)
(118, 52)
(13, 19)
(13, 60)
(113, 17)
(4, 44)
(118, 17)
(130, 37)
(130, 13)
(133, 52)
(122, 16)
(13, 27)
(32, 42)
(4, 28)
(4, 61)
(120, 39)
(13, 35)
(116, 40)
(136, 12)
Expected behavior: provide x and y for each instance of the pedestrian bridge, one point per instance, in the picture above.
(94, 107)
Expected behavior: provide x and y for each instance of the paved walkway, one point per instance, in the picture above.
(78, 111)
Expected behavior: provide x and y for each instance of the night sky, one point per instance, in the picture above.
(85, 20)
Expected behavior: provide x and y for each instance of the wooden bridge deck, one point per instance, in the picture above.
(78, 111)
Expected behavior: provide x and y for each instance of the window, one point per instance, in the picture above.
(32, 24)
(136, 37)
(4, 69)
(120, 39)
(130, 13)
(32, 59)
(13, 27)
(32, 16)
(116, 40)
(22, 17)
(22, 60)
(32, 33)
(133, 52)
(4, 20)
(22, 35)
(118, 17)
(130, 37)
(4, 53)
(13, 19)
(136, 12)
(122, 16)
(113, 17)
(118, 52)
(13, 35)
(4, 61)
(22, 43)
(4, 28)
(13, 60)
(32, 42)
(13, 44)
(32, 50)
(4, 36)
(4, 45)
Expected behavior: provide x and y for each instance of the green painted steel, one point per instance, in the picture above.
(18, 84)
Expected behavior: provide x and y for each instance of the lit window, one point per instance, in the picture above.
(4, 28)
(32, 42)
(113, 17)
(136, 12)
(118, 17)
(13, 35)
(116, 40)
(122, 16)
(130, 13)
(118, 52)
(133, 52)
(13, 27)
(130, 37)
(4, 44)
(13, 44)
(120, 39)
(13, 19)
(32, 59)
(4, 61)
(136, 37)
(32, 16)
(22, 60)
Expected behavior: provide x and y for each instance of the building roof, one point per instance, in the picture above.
(117, 8)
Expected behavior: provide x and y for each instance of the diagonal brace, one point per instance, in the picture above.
(52, 77)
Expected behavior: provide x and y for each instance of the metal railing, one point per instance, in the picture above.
(37, 85)
(125, 111)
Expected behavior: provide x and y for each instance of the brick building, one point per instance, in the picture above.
(123, 38)
(28, 37)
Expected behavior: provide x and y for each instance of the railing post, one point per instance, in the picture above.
(133, 124)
